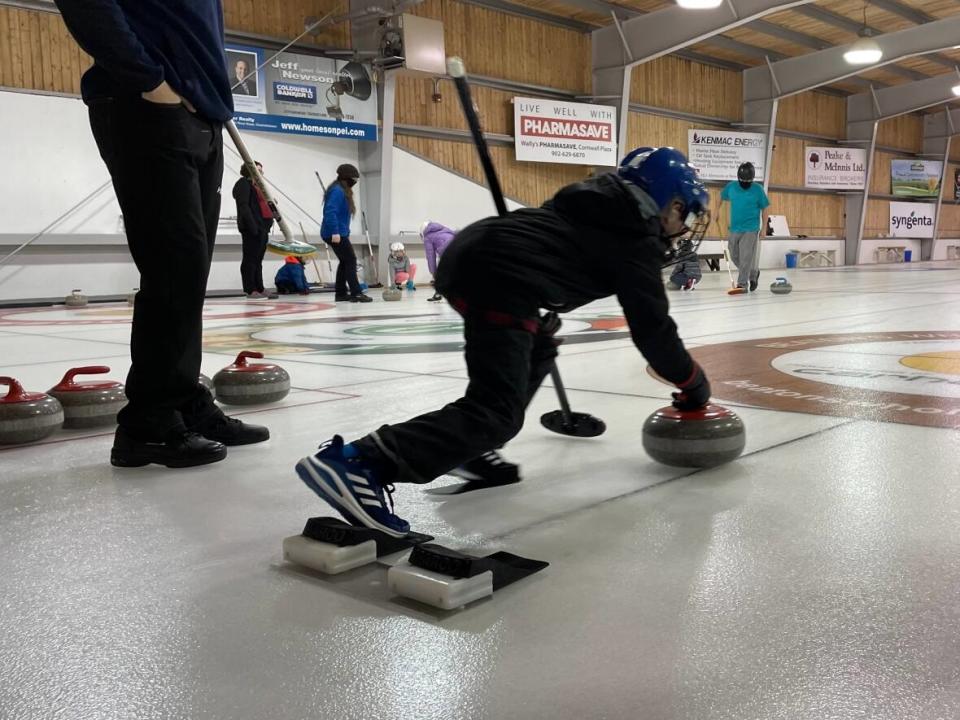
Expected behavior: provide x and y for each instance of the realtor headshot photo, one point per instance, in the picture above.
(243, 72)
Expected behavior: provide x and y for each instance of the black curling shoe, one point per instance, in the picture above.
(230, 431)
(178, 450)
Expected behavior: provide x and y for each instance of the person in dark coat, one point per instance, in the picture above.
(254, 220)
(158, 95)
(618, 230)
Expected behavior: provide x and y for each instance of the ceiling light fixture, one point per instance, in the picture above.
(864, 51)
(699, 4)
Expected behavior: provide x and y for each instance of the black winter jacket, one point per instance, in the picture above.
(250, 220)
(594, 239)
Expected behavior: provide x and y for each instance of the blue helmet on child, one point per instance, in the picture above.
(666, 176)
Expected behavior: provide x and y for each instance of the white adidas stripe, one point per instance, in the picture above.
(365, 491)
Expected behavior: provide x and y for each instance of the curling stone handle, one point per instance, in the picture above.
(244, 355)
(87, 370)
(16, 393)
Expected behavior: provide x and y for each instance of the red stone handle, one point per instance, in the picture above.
(242, 357)
(16, 393)
(88, 370)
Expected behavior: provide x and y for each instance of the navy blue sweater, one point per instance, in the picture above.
(137, 44)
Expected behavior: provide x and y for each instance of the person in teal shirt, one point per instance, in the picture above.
(747, 203)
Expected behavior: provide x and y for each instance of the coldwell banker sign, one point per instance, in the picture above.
(564, 132)
(718, 154)
(911, 220)
(836, 168)
(302, 95)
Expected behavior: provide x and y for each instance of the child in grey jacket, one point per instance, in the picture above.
(402, 270)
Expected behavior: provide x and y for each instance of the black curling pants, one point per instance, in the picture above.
(166, 164)
(509, 352)
(251, 263)
(346, 282)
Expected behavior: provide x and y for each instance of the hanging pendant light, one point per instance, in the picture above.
(866, 50)
(699, 4)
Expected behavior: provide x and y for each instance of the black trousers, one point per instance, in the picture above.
(166, 165)
(346, 268)
(251, 263)
(509, 352)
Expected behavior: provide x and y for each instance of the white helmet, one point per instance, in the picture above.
(424, 226)
(396, 247)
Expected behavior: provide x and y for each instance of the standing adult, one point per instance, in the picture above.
(339, 208)
(747, 203)
(158, 95)
(254, 220)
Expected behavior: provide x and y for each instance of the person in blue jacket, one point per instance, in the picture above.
(158, 96)
(338, 208)
(291, 277)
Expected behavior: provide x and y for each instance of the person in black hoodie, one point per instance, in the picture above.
(619, 228)
(158, 95)
(254, 219)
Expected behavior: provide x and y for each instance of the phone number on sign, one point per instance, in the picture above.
(567, 154)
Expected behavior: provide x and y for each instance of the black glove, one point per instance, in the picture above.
(549, 326)
(694, 393)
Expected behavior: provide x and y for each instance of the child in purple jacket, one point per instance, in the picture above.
(435, 238)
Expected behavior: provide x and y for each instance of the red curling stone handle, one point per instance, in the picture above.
(241, 360)
(87, 370)
(16, 393)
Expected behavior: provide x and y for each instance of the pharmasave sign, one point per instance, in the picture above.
(564, 132)
(911, 220)
(717, 154)
(835, 168)
(900, 377)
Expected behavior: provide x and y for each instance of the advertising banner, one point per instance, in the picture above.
(833, 168)
(916, 178)
(302, 95)
(718, 153)
(911, 220)
(564, 132)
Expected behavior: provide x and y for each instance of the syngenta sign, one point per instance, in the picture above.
(909, 222)
(914, 220)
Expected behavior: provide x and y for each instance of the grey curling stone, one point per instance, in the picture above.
(246, 383)
(699, 438)
(207, 383)
(75, 299)
(91, 403)
(25, 416)
(781, 286)
(391, 294)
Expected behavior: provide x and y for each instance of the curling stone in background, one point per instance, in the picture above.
(781, 286)
(25, 416)
(392, 294)
(132, 297)
(75, 299)
(246, 383)
(207, 383)
(89, 403)
(697, 438)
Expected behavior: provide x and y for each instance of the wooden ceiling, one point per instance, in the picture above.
(789, 33)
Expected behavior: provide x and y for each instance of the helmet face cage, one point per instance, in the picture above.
(696, 225)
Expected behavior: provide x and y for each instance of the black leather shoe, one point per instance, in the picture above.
(178, 450)
(341, 298)
(361, 298)
(230, 431)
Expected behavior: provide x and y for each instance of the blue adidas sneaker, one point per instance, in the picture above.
(348, 485)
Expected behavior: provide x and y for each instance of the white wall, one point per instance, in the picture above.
(773, 251)
(52, 162)
(868, 248)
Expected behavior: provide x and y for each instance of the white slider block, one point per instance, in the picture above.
(328, 558)
(435, 589)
